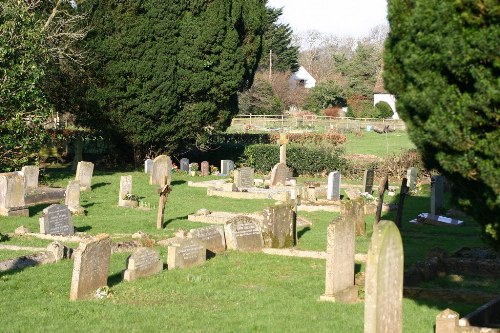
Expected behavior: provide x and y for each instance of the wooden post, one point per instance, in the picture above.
(383, 185)
(402, 195)
(164, 191)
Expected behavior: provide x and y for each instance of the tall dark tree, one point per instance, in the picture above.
(442, 62)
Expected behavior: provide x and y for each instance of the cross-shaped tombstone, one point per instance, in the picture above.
(382, 187)
(282, 141)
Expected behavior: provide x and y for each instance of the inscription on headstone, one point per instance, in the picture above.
(279, 174)
(56, 220)
(72, 197)
(143, 262)
(31, 173)
(212, 237)
(204, 169)
(84, 173)
(243, 233)
(333, 191)
(184, 164)
(279, 226)
(186, 252)
(161, 171)
(244, 177)
(368, 180)
(148, 165)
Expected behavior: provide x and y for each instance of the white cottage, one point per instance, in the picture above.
(302, 78)
(382, 95)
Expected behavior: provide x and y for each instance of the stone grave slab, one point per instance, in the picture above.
(279, 174)
(411, 176)
(126, 188)
(212, 237)
(56, 220)
(368, 177)
(226, 166)
(185, 252)
(354, 211)
(31, 173)
(279, 226)
(333, 190)
(243, 233)
(162, 169)
(184, 164)
(12, 194)
(437, 194)
(148, 165)
(425, 218)
(143, 262)
(84, 172)
(243, 177)
(204, 169)
(72, 198)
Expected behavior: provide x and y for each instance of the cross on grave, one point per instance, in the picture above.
(163, 192)
(382, 187)
(282, 141)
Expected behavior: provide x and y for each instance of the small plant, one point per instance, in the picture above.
(103, 292)
(214, 170)
(131, 197)
(193, 166)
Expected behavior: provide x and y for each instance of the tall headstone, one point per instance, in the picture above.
(368, 180)
(72, 198)
(279, 226)
(90, 268)
(243, 177)
(12, 194)
(84, 172)
(226, 166)
(354, 212)
(243, 233)
(382, 187)
(143, 262)
(204, 169)
(212, 237)
(437, 194)
(56, 220)
(333, 190)
(411, 176)
(31, 173)
(126, 188)
(402, 194)
(279, 174)
(161, 171)
(384, 280)
(339, 282)
(185, 252)
(283, 140)
(184, 164)
(148, 165)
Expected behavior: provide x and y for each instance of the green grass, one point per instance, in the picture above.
(233, 292)
(377, 144)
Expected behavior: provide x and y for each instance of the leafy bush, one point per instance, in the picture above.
(334, 111)
(384, 109)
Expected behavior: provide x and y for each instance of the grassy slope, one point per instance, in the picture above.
(377, 144)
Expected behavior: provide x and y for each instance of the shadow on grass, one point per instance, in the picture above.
(303, 231)
(115, 279)
(34, 210)
(184, 217)
(100, 185)
(83, 228)
(177, 182)
(88, 205)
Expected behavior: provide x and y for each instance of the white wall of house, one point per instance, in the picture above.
(389, 99)
(302, 78)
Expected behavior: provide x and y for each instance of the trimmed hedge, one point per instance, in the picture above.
(334, 139)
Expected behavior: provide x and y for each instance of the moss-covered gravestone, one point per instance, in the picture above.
(279, 226)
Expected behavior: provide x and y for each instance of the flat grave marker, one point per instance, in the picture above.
(243, 233)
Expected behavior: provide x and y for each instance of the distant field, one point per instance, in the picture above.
(377, 144)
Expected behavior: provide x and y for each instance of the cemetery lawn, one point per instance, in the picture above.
(233, 292)
(371, 143)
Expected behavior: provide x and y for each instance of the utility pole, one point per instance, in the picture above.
(270, 65)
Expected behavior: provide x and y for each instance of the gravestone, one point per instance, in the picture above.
(279, 174)
(382, 187)
(437, 194)
(212, 237)
(72, 198)
(186, 252)
(126, 188)
(243, 177)
(283, 140)
(184, 164)
(161, 171)
(368, 180)
(384, 280)
(333, 191)
(279, 226)
(243, 233)
(402, 194)
(90, 268)
(411, 176)
(204, 169)
(226, 166)
(84, 172)
(148, 165)
(143, 262)
(31, 173)
(12, 194)
(56, 220)
(339, 281)
(354, 212)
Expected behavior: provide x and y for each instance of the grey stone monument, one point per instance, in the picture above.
(72, 198)
(126, 188)
(56, 220)
(279, 226)
(368, 180)
(148, 165)
(12, 194)
(226, 166)
(143, 262)
(186, 252)
(243, 233)
(243, 177)
(31, 173)
(411, 176)
(212, 237)
(437, 194)
(161, 171)
(333, 191)
(279, 174)
(184, 164)
(84, 172)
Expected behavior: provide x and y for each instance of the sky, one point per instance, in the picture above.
(353, 18)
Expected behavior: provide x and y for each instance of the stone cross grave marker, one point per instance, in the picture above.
(143, 262)
(161, 171)
(184, 164)
(226, 166)
(339, 282)
(437, 194)
(279, 174)
(186, 252)
(12, 194)
(354, 212)
(384, 280)
(279, 226)
(382, 187)
(243, 177)
(212, 237)
(148, 165)
(56, 220)
(31, 173)
(282, 141)
(126, 188)
(243, 233)
(90, 268)
(411, 176)
(84, 172)
(333, 191)
(72, 198)
(204, 169)
(368, 180)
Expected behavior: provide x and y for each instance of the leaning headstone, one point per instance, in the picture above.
(339, 282)
(354, 212)
(126, 189)
(84, 172)
(243, 177)
(333, 191)
(243, 233)
(384, 280)
(148, 165)
(31, 173)
(212, 237)
(56, 220)
(279, 174)
(12, 194)
(368, 180)
(279, 226)
(186, 252)
(382, 187)
(90, 268)
(411, 176)
(72, 198)
(184, 164)
(161, 171)
(226, 166)
(437, 194)
(143, 262)
(204, 169)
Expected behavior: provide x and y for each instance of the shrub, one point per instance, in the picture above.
(334, 111)
(384, 109)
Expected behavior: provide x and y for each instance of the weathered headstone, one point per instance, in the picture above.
(161, 171)
(12, 194)
(447, 321)
(279, 226)
(339, 282)
(212, 237)
(402, 194)
(148, 165)
(354, 212)
(411, 176)
(126, 189)
(437, 194)
(384, 280)
(204, 169)
(184, 164)
(352, 193)
(90, 268)
(84, 172)
(382, 187)
(283, 140)
(226, 166)
(243, 177)
(72, 198)
(368, 180)
(56, 220)
(186, 252)
(243, 233)
(333, 191)
(31, 173)
(143, 262)
(279, 174)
